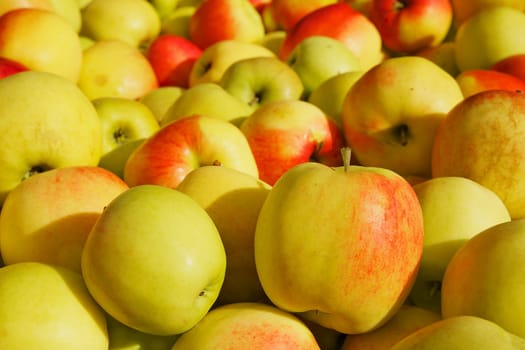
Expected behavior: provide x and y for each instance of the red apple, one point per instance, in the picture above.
(514, 65)
(172, 58)
(473, 81)
(8, 67)
(288, 12)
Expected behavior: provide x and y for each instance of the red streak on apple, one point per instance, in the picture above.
(265, 335)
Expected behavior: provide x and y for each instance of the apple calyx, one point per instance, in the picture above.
(346, 154)
(401, 133)
(119, 136)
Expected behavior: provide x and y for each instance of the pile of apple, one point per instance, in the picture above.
(262, 174)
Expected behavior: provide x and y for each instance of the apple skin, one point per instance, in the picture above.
(178, 147)
(248, 326)
(465, 9)
(9, 67)
(363, 243)
(514, 65)
(481, 139)
(172, 58)
(8, 5)
(409, 26)
(443, 55)
(390, 115)
(287, 13)
(154, 260)
(160, 99)
(282, 134)
(472, 81)
(48, 307)
(339, 21)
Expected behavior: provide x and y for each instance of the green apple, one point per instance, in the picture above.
(443, 55)
(48, 307)
(390, 115)
(407, 320)
(484, 277)
(208, 99)
(123, 120)
(273, 40)
(465, 9)
(233, 200)
(70, 11)
(215, 59)
(164, 7)
(46, 122)
(137, 25)
(328, 239)
(318, 58)
(177, 22)
(47, 217)
(115, 160)
(260, 80)
(154, 260)
(41, 40)
(159, 100)
(463, 332)
(248, 326)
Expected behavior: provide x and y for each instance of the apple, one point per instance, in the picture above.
(41, 40)
(217, 20)
(481, 139)
(114, 68)
(409, 26)
(390, 115)
(454, 210)
(9, 67)
(287, 13)
(253, 326)
(172, 58)
(8, 5)
(177, 22)
(260, 80)
(329, 238)
(465, 9)
(484, 278)
(123, 120)
(339, 21)
(273, 40)
(154, 260)
(47, 217)
(363, 6)
(183, 145)
(135, 22)
(443, 55)
(215, 59)
(460, 333)
(318, 58)
(513, 65)
(115, 160)
(233, 200)
(160, 99)
(209, 99)
(70, 11)
(164, 7)
(48, 307)
(489, 36)
(46, 122)
(472, 81)
(285, 133)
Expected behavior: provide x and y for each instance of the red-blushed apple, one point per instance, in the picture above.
(472, 81)
(339, 21)
(47, 217)
(8, 67)
(409, 26)
(8, 5)
(339, 246)
(286, 13)
(185, 144)
(172, 58)
(285, 133)
(514, 65)
(217, 20)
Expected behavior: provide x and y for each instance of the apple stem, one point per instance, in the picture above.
(346, 154)
(435, 288)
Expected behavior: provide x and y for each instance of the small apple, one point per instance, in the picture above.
(287, 13)
(9, 67)
(472, 81)
(154, 260)
(160, 99)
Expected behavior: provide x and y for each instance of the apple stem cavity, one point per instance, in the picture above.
(346, 154)
(35, 170)
(402, 133)
(435, 287)
(120, 136)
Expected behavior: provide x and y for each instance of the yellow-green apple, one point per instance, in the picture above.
(115, 160)
(114, 68)
(461, 333)
(164, 7)
(217, 20)
(123, 120)
(472, 81)
(215, 59)
(233, 200)
(339, 21)
(177, 22)
(273, 40)
(409, 26)
(390, 115)
(83, 3)
(443, 55)
(253, 326)
(407, 320)
(208, 99)
(48, 307)
(286, 13)
(330, 94)
(481, 139)
(46, 122)
(514, 65)
(465, 9)
(154, 260)
(160, 99)
(9, 67)
(282, 134)
(41, 40)
(8, 5)
(488, 36)
(318, 58)
(183, 145)
(47, 217)
(364, 242)
(70, 11)
(485, 276)
(137, 25)
(172, 58)
(454, 210)
(259, 80)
